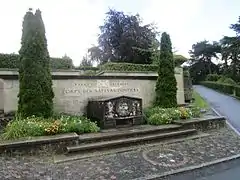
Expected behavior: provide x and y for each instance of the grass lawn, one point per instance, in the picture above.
(199, 101)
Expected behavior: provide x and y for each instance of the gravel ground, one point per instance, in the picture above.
(125, 166)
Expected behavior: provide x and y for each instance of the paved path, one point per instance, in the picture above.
(230, 108)
(231, 174)
(224, 104)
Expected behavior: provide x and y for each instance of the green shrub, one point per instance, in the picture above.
(226, 81)
(159, 119)
(195, 112)
(159, 116)
(213, 77)
(36, 126)
(221, 79)
(77, 124)
(128, 67)
(18, 128)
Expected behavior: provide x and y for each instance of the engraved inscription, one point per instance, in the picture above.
(103, 83)
(83, 84)
(67, 91)
(119, 84)
(102, 86)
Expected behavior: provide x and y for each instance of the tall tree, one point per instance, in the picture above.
(86, 62)
(123, 38)
(230, 50)
(35, 89)
(205, 51)
(68, 62)
(166, 86)
(97, 55)
(236, 27)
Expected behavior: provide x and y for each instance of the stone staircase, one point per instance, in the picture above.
(124, 139)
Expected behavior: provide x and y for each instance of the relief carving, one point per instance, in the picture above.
(123, 107)
(110, 111)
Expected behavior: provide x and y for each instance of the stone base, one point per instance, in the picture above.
(203, 124)
(39, 145)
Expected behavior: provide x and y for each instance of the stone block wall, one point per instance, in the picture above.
(73, 91)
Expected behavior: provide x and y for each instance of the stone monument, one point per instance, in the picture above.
(112, 112)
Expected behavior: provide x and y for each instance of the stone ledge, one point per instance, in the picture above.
(67, 77)
(203, 124)
(139, 147)
(54, 143)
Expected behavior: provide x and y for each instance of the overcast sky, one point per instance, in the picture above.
(72, 25)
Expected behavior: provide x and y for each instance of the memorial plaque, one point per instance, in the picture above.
(112, 112)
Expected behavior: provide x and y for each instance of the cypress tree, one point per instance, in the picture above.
(35, 83)
(166, 86)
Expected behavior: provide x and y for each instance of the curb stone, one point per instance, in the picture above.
(227, 121)
(190, 168)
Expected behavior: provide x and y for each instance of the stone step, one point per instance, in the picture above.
(120, 133)
(128, 141)
(61, 158)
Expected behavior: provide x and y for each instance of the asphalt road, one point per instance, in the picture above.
(224, 104)
(231, 174)
(230, 108)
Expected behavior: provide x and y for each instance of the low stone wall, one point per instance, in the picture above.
(73, 90)
(40, 145)
(57, 144)
(203, 124)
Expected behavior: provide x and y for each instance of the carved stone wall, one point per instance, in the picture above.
(72, 94)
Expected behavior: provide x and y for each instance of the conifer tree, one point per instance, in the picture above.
(166, 86)
(35, 82)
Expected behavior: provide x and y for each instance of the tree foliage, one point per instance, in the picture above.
(166, 86)
(228, 48)
(86, 62)
(12, 61)
(35, 89)
(177, 58)
(205, 51)
(123, 38)
(199, 70)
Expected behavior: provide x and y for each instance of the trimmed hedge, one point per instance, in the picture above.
(237, 91)
(226, 80)
(128, 67)
(223, 87)
(85, 68)
(60, 63)
(213, 77)
(11, 61)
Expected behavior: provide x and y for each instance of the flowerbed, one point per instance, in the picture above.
(36, 126)
(159, 116)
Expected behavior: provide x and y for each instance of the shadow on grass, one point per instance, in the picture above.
(199, 101)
